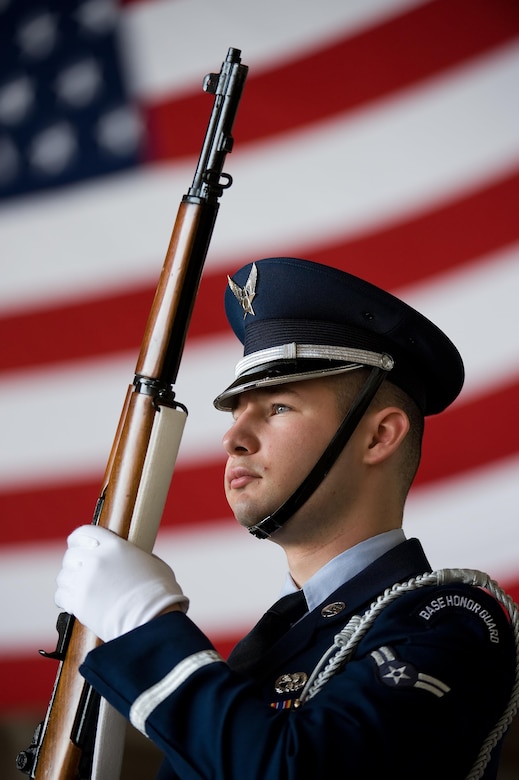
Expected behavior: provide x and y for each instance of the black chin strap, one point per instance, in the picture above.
(271, 523)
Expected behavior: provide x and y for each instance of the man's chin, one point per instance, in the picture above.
(247, 522)
(247, 518)
(248, 513)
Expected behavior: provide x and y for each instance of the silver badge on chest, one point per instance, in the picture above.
(288, 683)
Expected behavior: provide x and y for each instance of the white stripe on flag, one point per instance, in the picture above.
(252, 27)
(343, 176)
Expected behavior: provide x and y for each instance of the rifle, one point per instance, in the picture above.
(144, 451)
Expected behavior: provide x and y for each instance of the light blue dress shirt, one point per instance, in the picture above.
(344, 566)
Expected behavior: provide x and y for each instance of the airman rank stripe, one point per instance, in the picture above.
(400, 674)
(150, 699)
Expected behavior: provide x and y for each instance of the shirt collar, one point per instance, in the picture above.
(344, 566)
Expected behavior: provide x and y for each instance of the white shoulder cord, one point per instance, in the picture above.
(346, 641)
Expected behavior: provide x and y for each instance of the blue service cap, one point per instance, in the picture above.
(299, 319)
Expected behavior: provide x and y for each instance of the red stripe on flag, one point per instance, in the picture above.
(367, 66)
(435, 241)
(92, 326)
(38, 675)
(464, 437)
(471, 435)
(65, 505)
(392, 257)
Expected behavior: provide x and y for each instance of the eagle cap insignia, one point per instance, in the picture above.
(245, 295)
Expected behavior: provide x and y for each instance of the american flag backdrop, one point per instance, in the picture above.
(381, 136)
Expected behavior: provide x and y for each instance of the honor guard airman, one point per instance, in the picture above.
(370, 661)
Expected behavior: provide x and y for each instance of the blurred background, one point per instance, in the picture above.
(380, 136)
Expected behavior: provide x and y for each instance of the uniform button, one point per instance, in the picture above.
(332, 609)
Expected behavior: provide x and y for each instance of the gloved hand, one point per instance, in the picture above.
(112, 586)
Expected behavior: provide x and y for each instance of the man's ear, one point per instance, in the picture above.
(388, 429)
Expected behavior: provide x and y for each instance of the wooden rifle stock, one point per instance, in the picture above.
(63, 744)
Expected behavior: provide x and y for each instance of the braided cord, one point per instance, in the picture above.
(349, 637)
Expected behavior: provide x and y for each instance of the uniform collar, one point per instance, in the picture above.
(344, 567)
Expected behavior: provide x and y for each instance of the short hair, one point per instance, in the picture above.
(348, 385)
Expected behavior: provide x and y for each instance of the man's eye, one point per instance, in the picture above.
(280, 408)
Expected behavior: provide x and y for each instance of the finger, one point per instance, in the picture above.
(87, 536)
(68, 577)
(62, 598)
(74, 558)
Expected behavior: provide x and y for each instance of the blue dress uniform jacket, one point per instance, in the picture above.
(426, 684)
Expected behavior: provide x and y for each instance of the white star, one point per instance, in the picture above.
(119, 131)
(397, 673)
(53, 149)
(79, 83)
(38, 35)
(16, 99)
(97, 16)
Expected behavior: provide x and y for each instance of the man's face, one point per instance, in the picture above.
(277, 437)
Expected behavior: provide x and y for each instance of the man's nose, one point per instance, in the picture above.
(241, 436)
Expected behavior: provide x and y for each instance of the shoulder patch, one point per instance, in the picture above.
(400, 674)
(439, 604)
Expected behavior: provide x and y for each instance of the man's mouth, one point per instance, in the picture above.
(239, 477)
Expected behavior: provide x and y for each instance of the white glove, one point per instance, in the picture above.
(111, 586)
